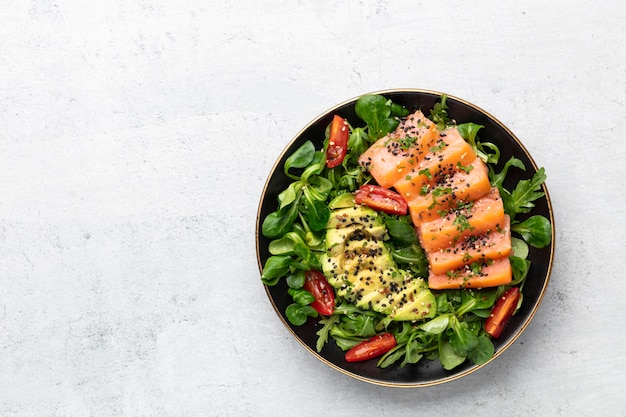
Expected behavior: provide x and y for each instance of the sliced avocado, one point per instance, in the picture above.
(358, 264)
(342, 201)
(336, 239)
(413, 299)
(421, 303)
(362, 215)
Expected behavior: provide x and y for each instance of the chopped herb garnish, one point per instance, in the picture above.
(453, 273)
(426, 172)
(462, 223)
(476, 268)
(464, 205)
(439, 191)
(466, 168)
(438, 148)
(406, 143)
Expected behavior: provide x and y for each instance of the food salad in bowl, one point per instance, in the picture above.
(405, 237)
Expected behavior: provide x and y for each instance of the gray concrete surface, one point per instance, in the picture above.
(135, 140)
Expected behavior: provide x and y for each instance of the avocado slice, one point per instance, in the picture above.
(359, 266)
(342, 201)
(356, 214)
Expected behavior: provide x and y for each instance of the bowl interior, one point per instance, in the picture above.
(426, 372)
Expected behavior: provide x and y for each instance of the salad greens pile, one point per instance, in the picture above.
(296, 230)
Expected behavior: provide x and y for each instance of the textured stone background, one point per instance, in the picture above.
(135, 139)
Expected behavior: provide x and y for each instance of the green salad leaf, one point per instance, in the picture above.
(521, 199)
(301, 158)
(536, 230)
(439, 114)
(380, 114)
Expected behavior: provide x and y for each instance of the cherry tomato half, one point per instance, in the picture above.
(502, 312)
(376, 346)
(381, 199)
(337, 142)
(317, 285)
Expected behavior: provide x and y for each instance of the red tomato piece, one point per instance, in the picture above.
(376, 346)
(381, 199)
(502, 312)
(317, 285)
(337, 142)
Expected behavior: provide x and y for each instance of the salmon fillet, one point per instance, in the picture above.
(474, 248)
(462, 186)
(488, 274)
(392, 156)
(468, 218)
(448, 154)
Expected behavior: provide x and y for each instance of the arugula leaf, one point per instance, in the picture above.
(392, 356)
(521, 199)
(346, 307)
(469, 132)
(462, 339)
(439, 114)
(414, 257)
(476, 300)
(344, 340)
(404, 335)
(490, 151)
(412, 353)
(357, 325)
(322, 334)
(498, 179)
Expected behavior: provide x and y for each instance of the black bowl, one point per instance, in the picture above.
(425, 373)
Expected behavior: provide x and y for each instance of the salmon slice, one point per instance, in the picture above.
(449, 153)
(464, 186)
(475, 248)
(480, 275)
(392, 156)
(466, 219)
